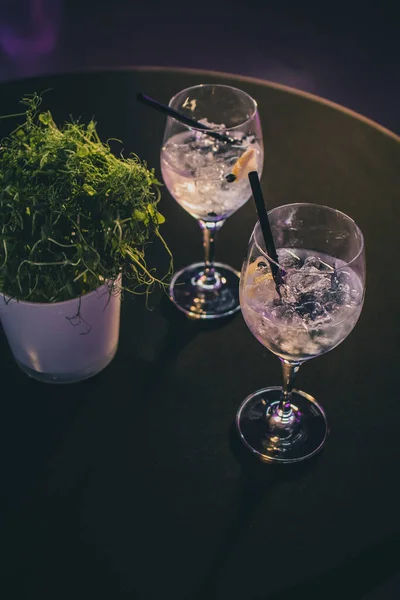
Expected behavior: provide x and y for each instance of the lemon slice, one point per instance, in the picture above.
(253, 270)
(246, 163)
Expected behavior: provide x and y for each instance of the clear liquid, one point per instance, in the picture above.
(320, 302)
(194, 167)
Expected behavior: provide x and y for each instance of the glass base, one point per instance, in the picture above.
(200, 301)
(268, 438)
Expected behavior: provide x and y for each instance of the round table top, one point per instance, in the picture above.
(133, 484)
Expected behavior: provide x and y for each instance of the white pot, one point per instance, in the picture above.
(51, 343)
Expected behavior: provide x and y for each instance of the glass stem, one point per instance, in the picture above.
(289, 370)
(209, 229)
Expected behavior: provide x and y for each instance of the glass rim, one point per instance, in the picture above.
(217, 85)
(346, 264)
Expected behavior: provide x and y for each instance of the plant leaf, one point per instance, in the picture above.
(45, 118)
(82, 151)
(89, 190)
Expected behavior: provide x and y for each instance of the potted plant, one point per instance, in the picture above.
(75, 221)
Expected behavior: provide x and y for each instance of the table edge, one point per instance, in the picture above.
(245, 78)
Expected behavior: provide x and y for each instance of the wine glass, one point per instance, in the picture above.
(208, 178)
(309, 308)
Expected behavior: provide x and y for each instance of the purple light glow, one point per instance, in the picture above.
(35, 39)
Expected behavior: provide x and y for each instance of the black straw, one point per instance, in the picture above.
(265, 226)
(170, 112)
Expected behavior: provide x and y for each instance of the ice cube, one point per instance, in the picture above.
(312, 261)
(343, 293)
(308, 281)
(261, 292)
(306, 308)
(288, 294)
(340, 277)
(210, 171)
(341, 287)
(212, 125)
(324, 266)
(319, 315)
(288, 259)
(283, 312)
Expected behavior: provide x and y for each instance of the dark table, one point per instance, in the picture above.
(133, 484)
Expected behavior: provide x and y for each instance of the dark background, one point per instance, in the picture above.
(346, 52)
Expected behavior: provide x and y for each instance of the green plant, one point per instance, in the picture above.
(72, 214)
